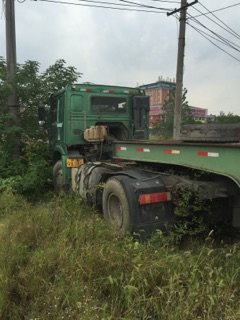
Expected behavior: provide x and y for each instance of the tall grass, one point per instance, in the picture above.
(60, 261)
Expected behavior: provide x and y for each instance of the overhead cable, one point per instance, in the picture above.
(204, 14)
(143, 5)
(237, 36)
(214, 43)
(168, 1)
(216, 34)
(216, 39)
(219, 20)
(103, 7)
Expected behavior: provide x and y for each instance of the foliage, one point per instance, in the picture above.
(59, 261)
(31, 172)
(166, 125)
(190, 212)
(227, 118)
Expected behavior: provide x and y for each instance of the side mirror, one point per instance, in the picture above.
(141, 102)
(41, 112)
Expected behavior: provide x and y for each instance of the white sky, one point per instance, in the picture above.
(129, 48)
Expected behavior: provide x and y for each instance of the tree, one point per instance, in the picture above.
(166, 123)
(227, 118)
(33, 87)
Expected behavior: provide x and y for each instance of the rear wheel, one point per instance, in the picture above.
(115, 206)
(57, 177)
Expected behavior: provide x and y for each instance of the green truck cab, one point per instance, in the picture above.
(84, 120)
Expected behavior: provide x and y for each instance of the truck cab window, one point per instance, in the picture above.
(108, 105)
(76, 102)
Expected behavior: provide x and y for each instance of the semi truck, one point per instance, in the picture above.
(100, 148)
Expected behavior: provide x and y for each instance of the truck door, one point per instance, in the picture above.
(141, 108)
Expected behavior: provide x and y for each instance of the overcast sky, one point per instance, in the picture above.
(129, 48)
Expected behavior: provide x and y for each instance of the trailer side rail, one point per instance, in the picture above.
(223, 159)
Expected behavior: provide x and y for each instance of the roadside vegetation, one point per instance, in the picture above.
(58, 260)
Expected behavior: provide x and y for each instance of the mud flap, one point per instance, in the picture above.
(145, 218)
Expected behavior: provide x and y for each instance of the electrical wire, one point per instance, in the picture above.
(103, 7)
(238, 37)
(167, 1)
(219, 20)
(216, 34)
(115, 4)
(203, 14)
(207, 34)
(143, 5)
(214, 43)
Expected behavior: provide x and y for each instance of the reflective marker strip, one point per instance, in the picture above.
(108, 91)
(143, 150)
(86, 90)
(208, 154)
(172, 151)
(129, 91)
(120, 148)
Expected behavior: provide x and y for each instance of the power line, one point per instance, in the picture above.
(144, 5)
(204, 14)
(167, 1)
(216, 34)
(115, 4)
(207, 34)
(214, 43)
(218, 25)
(219, 20)
(103, 7)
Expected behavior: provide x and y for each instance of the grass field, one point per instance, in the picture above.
(58, 260)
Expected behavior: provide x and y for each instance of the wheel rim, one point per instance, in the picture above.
(115, 211)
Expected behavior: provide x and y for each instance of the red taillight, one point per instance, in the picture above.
(88, 90)
(154, 197)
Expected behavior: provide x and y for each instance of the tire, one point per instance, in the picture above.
(57, 177)
(115, 206)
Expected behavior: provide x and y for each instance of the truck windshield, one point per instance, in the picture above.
(108, 105)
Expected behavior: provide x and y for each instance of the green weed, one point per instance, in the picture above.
(60, 261)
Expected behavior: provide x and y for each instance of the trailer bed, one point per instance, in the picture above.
(223, 159)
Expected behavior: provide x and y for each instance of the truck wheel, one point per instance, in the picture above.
(57, 176)
(115, 206)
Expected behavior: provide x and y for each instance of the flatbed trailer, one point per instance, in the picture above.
(222, 159)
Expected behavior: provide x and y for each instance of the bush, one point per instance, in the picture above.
(30, 175)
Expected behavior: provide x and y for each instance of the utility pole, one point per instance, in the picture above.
(13, 106)
(180, 64)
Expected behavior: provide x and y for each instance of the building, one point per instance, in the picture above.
(199, 114)
(159, 93)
